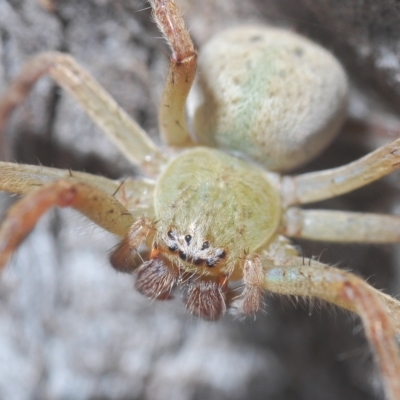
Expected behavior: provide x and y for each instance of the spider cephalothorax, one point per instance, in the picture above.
(208, 219)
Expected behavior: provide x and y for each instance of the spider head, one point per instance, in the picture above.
(191, 261)
(192, 252)
(183, 256)
(186, 257)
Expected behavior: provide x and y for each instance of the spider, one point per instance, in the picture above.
(216, 217)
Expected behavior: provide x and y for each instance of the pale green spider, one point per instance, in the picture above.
(232, 227)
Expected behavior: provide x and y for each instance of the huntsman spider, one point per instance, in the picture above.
(219, 211)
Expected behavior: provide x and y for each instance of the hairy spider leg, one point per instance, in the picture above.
(125, 133)
(321, 185)
(308, 278)
(249, 302)
(99, 206)
(182, 70)
(341, 226)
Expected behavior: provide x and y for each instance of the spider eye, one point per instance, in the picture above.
(182, 255)
(171, 235)
(174, 247)
(188, 239)
(206, 245)
(221, 253)
(210, 262)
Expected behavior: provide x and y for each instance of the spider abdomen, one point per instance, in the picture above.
(269, 94)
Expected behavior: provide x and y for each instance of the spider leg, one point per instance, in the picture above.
(350, 292)
(99, 206)
(21, 178)
(250, 300)
(181, 73)
(315, 186)
(122, 257)
(134, 194)
(126, 134)
(341, 226)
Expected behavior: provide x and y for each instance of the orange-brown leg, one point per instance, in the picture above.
(97, 205)
(313, 279)
(181, 73)
(122, 258)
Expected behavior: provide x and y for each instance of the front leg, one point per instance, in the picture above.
(96, 204)
(182, 70)
(311, 279)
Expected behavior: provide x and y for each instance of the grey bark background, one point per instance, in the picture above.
(72, 328)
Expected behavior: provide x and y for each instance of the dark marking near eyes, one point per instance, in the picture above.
(210, 263)
(198, 261)
(188, 239)
(182, 255)
(173, 248)
(171, 235)
(206, 245)
(221, 254)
